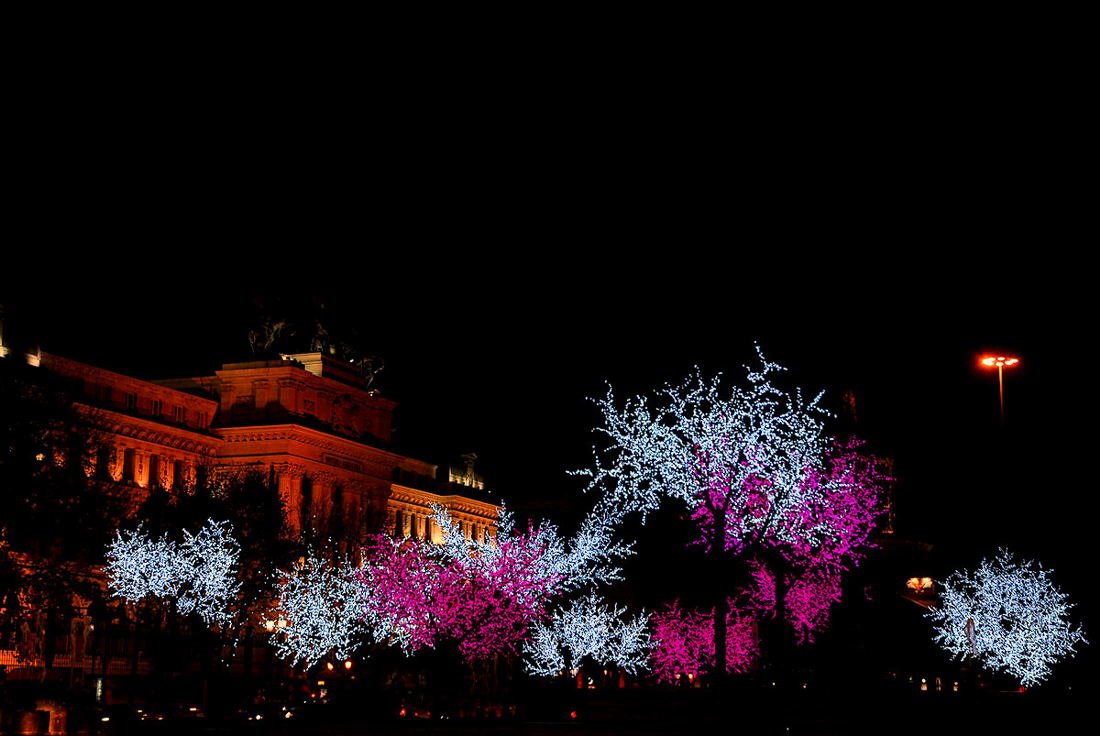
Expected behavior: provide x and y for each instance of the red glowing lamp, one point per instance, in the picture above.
(1000, 362)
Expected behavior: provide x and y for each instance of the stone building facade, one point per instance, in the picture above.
(306, 418)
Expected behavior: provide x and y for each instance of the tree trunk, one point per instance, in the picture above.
(721, 606)
(779, 635)
(721, 612)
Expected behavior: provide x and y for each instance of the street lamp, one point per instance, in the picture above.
(1001, 362)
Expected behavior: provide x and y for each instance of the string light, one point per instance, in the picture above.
(199, 574)
(654, 447)
(760, 479)
(488, 593)
(753, 465)
(589, 628)
(1008, 615)
(683, 641)
(321, 604)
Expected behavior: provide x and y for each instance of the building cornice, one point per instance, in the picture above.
(285, 370)
(415, 496)
(76, 369)
(145, 430)
(324, 441)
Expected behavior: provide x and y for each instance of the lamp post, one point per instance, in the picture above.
(1001, 362)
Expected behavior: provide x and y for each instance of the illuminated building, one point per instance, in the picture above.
(306, 418)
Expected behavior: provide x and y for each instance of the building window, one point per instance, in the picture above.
(177, 475)
(156, 407)
(179, 414)
(130, 401)
(129, 466)
(103, 462)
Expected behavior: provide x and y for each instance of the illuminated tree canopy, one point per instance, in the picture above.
(1008, 615)
(684, 641)
(752, 463)
(761, 479)
(747, 434)
(484, 594)
(320, 613)
(488, 595)
(199, 574)
(589, 628)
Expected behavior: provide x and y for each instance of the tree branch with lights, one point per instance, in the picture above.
(759, 477)
(487, 595)
(1007, 616)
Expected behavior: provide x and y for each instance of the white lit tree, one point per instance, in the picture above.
(199, 574)
(756, 470)
(592, 629)
(655, 445)
(319, 613)
(1006, 615)
(140, 565)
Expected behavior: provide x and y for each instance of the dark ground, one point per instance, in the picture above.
(704, 712)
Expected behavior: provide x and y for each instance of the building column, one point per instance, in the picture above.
(357, 510)
(289, 478)
(288, 395)
(322, 508)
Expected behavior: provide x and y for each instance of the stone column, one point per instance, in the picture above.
(289, 478)
(228, 397)
(141, 468)
(322, 510)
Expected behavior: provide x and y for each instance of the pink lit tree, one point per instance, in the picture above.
(684, 641)
(487, 595)
(810, 594)
(760, 478)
